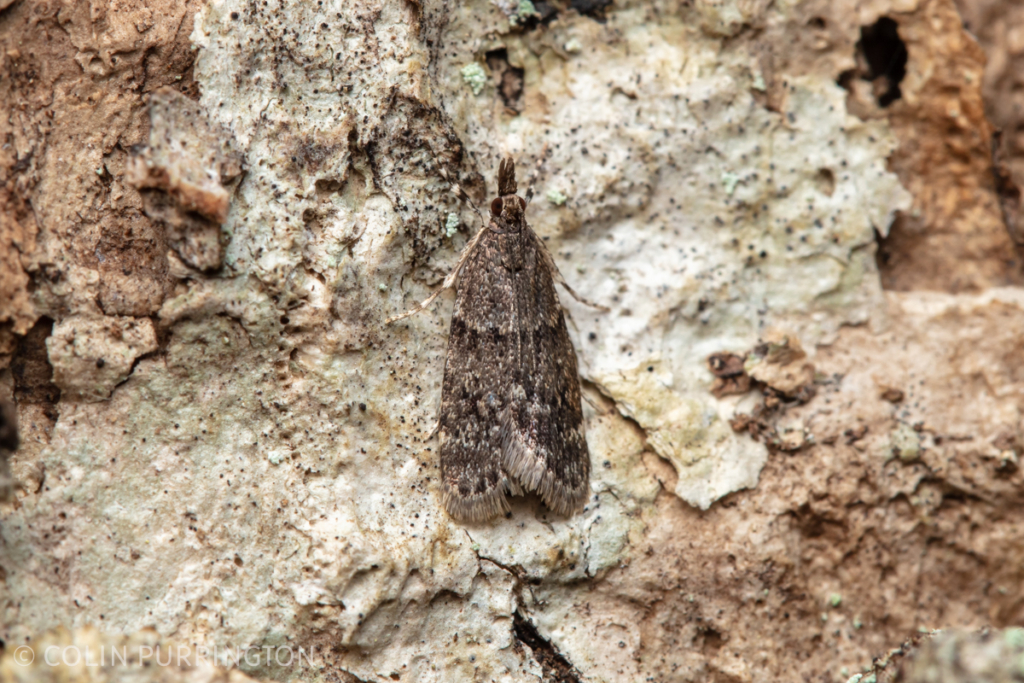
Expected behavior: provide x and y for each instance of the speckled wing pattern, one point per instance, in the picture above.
(511, 417)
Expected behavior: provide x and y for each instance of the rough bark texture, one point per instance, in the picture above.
(208, 211)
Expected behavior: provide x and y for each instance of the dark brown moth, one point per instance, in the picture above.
(511, 418)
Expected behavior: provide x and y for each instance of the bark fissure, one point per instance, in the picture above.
(557, 669)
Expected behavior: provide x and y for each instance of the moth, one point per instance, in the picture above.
(511, 419)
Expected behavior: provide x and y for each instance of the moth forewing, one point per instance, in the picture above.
(511, 417)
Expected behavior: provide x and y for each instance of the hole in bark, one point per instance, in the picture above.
(544, 12)
(711, 640)
(886, 56)
(327, 186)
(825, 181)
(511, 87)
(813, 525)
(1007, 189)
(35, 394)
(8, 440)
(591, 8)
(31, 369)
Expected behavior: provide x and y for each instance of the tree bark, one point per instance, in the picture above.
(802, 406)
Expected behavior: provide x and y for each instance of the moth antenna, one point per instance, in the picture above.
(461, 194)
(452, 276)
(448, 281)
(457, 190)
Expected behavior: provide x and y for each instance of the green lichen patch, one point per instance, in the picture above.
(556, 197)
(474, 76)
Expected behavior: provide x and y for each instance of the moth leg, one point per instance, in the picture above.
(432, 432)
(599, 409)
(448, 281)
(585, 302)
(541, 158)
(561, 280)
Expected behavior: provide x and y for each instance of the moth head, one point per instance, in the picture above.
(508, 207)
